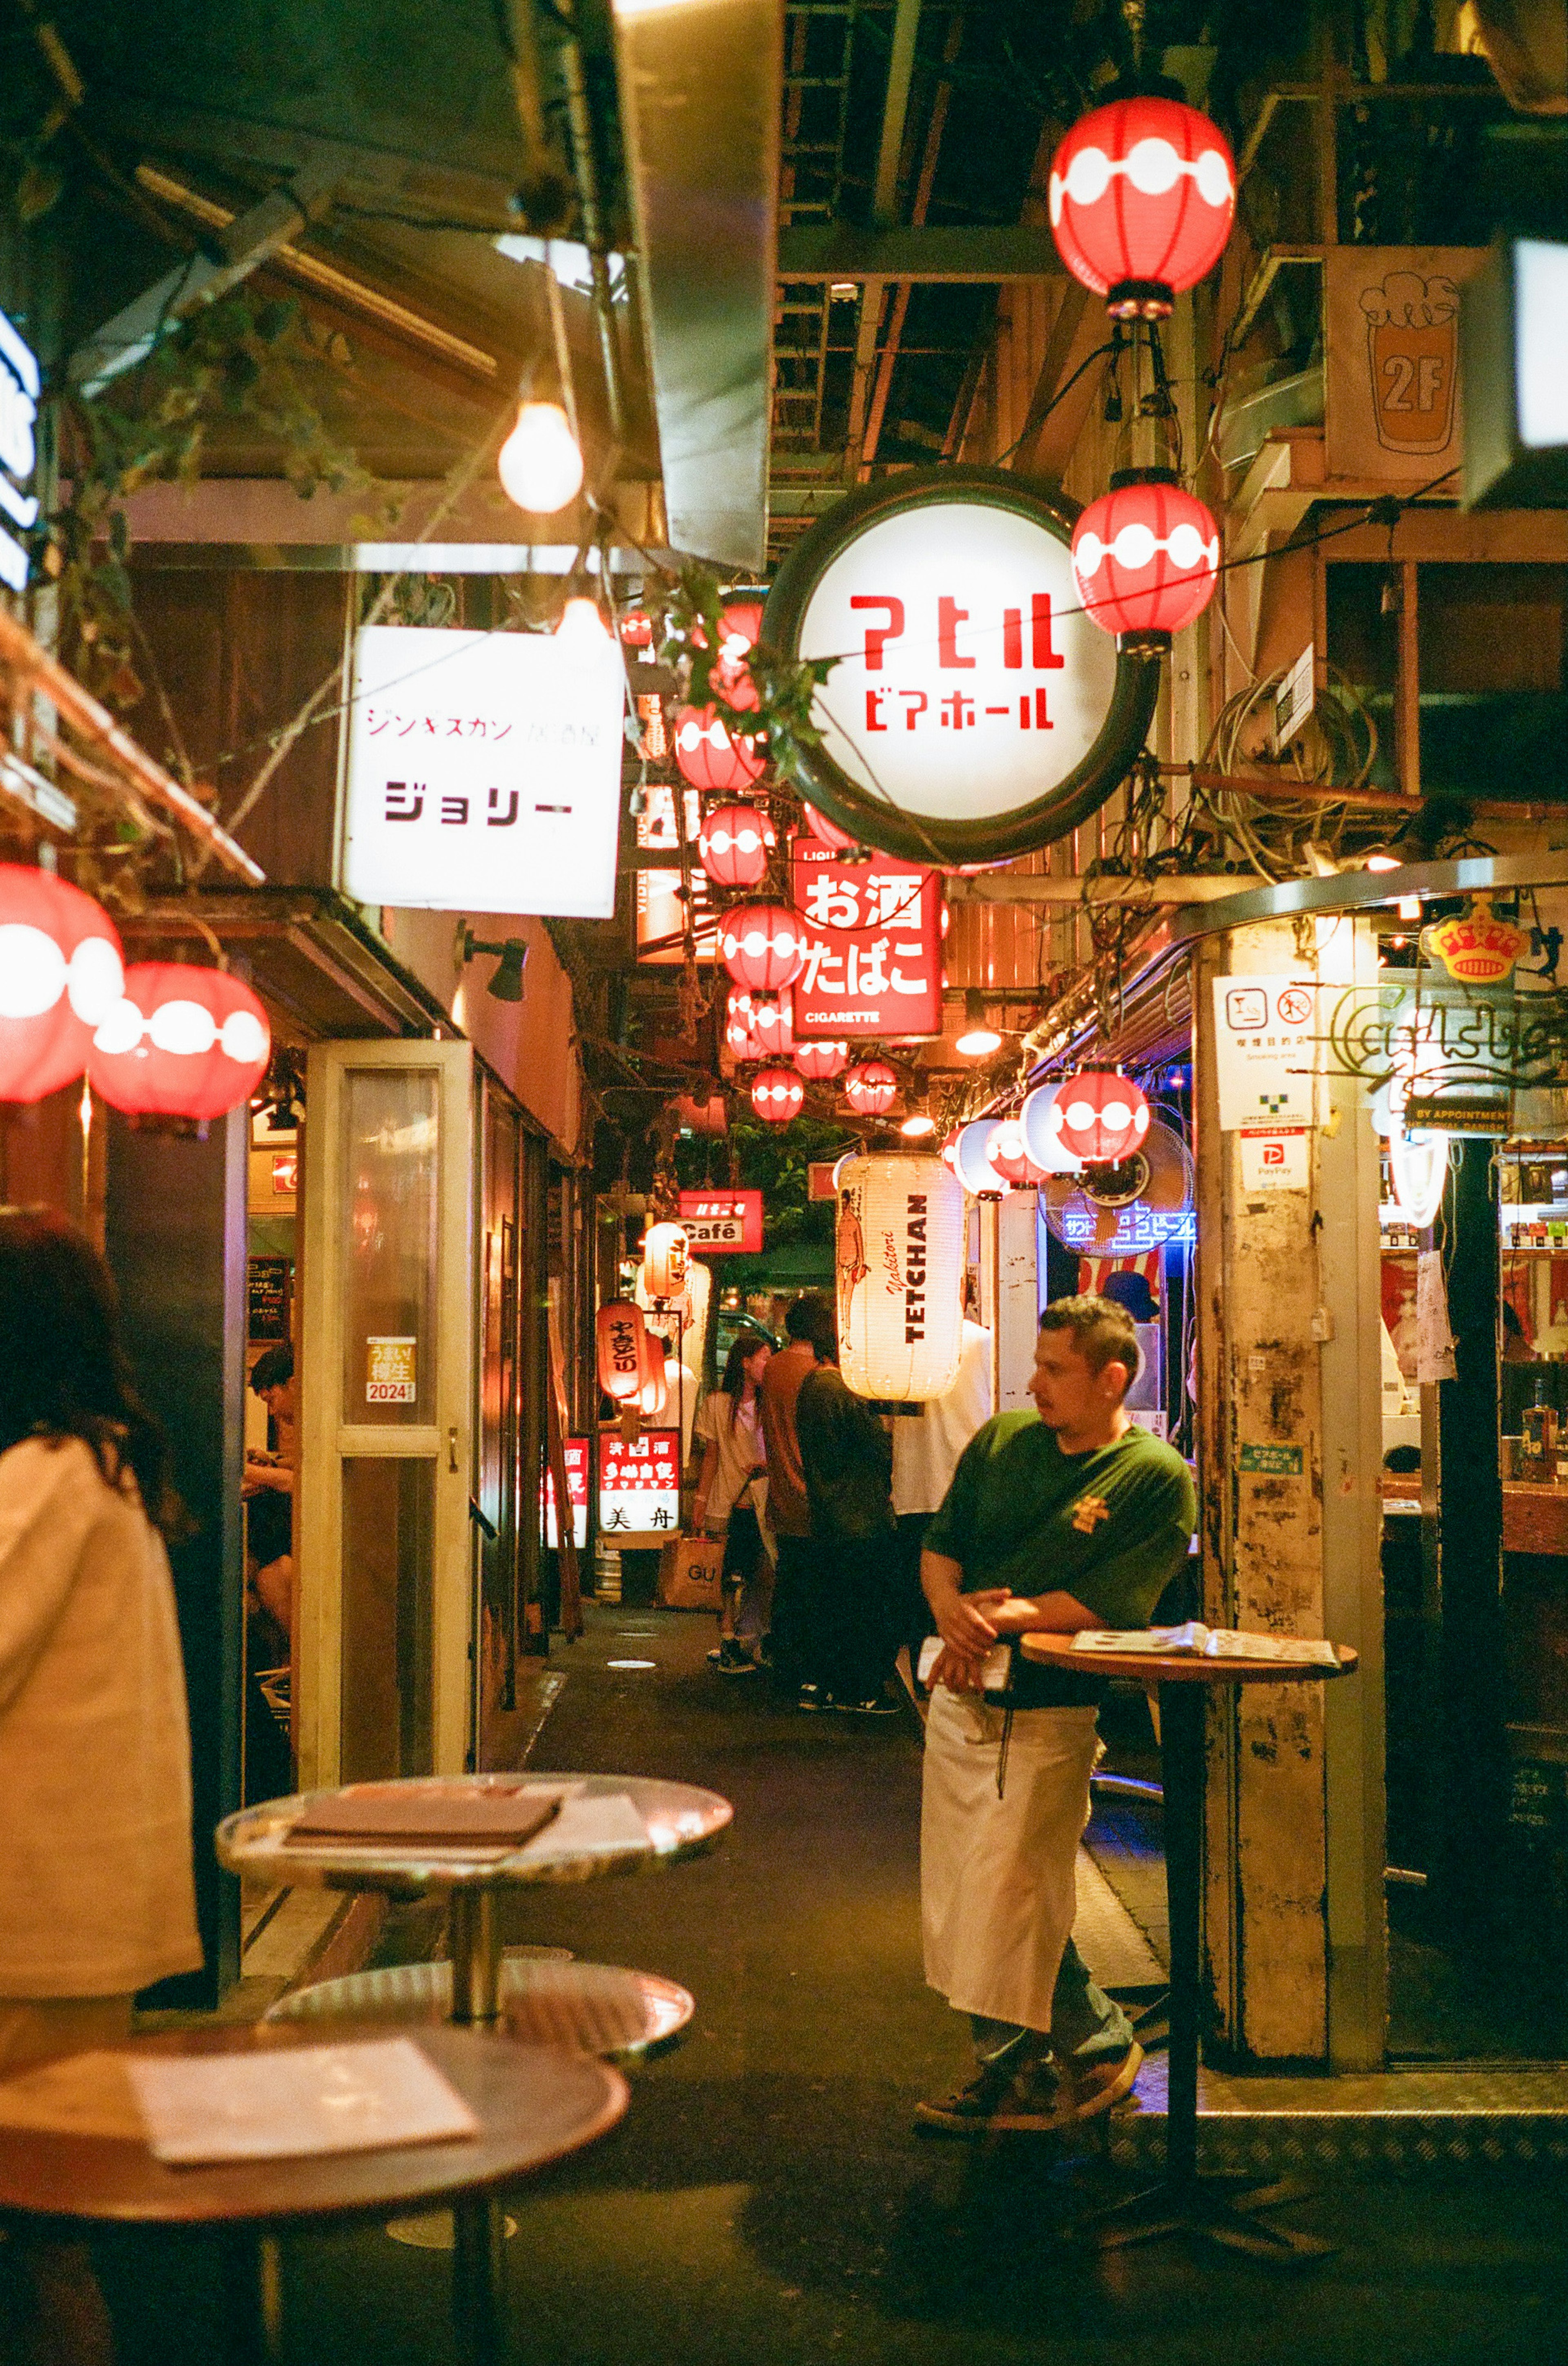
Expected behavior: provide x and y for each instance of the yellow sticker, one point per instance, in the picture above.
(391, 1371)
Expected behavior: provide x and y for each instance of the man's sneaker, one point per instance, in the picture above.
(1097, 2086)
(715, 1655)
(1036, 2102)
(734, 1661)
(967, 2111)
(812, 1698)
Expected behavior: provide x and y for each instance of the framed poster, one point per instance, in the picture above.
(1392, 397)
(973, 711)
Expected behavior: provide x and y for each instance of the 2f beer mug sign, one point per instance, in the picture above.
(1411, 352)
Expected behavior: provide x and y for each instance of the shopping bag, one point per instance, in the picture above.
(689, 1573)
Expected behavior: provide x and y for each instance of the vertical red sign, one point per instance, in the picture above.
(874, 945)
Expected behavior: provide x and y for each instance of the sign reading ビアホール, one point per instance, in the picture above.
(639, 1486)
(484, 772)
(873, 945)
(972, 711)
(723, 1222)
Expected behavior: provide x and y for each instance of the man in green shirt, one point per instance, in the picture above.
(1069, 1519)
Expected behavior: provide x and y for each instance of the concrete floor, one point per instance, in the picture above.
(766, 2200)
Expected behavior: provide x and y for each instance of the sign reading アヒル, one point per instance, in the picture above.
(725, 1222)
(639, 1485)
(484, 772)
(873, 945)
(973, 710)
(19, 409)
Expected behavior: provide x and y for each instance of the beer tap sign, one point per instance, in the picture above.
(974, 711)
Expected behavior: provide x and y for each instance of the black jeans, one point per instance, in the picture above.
(794, 1649)
(854, 1613)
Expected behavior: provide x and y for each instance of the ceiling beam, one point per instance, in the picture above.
(895, 111)
(944, 255)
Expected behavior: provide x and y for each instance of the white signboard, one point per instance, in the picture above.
(1266, 1047)
(484, 773)
(1275, 1162)
(19, 409)
(639, 1486)
(970, 681)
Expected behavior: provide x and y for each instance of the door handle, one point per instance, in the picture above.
(452, 1449)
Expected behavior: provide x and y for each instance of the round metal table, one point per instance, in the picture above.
(1185, 2203)
(73, 2148)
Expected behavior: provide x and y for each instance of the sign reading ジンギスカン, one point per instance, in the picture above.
(639, 1485)
(19, 409)
(484, 773)
(723, 1223)
(874, 945)
(973, 710)
(576, 1453)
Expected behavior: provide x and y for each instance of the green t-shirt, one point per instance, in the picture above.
(1111, 1527)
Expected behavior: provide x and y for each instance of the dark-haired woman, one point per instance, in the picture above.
(95, 1755)
(734, 1464)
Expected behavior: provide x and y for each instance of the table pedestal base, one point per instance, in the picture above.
(1212, 2209)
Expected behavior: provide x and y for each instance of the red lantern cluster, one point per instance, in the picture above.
(871, 1088)
(1103, 1118)
(710, 757)
(61, 970)
(180, 1043)
(761, 946)
(1145, 558)
(777, 1095)
(821, 1062)
(734, 843)
(1142, 197)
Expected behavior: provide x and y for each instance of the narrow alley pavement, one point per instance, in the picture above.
(766, 2202)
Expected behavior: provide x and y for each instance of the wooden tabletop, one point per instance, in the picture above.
(71, 2144)
(678, 1819)
(1179, 1667)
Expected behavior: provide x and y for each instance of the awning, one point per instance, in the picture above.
(310, 956)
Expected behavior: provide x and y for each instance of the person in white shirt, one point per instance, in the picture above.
(926, 1446)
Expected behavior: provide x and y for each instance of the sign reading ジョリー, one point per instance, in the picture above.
(484, 773)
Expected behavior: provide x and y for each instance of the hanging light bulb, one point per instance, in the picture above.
(979, 1037)
(918, 1123)
(581, 626)
(540, 466)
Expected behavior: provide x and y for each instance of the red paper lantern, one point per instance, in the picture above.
(777, 1095)
(711, 758)
(636, 629)
(741, 627)
(181, 1042)
(740, 1033)
(761, 946)
(61, 970)
(821, 1061)
(1008, 1156)
(621, 1337)
(827, 832)
(1103, 1118)
(871, 1088)
(773, 1023)
(1145, 558)
(734, 843)
(1142, 197)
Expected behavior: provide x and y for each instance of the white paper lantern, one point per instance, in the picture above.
(1041, 1121)
(972, 1158)
(900, 1258)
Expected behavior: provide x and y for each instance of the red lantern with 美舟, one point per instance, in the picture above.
(871, 1088)
(1145, 558)
(777, 1095)
(735, 843)
(763, 946)
(1142, 196)
(61, 973)
(621, 1337)
(821, 1061)
(180, 1043)
(1103, 1118)
(711, 757)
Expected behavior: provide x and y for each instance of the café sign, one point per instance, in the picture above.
(974, 712)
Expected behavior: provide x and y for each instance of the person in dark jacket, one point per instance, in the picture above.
(846, 1457)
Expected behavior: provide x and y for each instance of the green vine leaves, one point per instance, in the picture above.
(245, 359)
(779, 691)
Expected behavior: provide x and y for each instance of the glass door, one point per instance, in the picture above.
(385, 1413)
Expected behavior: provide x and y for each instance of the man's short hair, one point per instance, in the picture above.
(810, 1317)
(1101, 1331)
(273, 1370)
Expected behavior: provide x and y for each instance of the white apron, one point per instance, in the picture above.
(997, 1876)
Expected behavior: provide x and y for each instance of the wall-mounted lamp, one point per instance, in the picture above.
(979, 1037)
(506, 983)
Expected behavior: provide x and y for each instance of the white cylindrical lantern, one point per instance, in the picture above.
(972, 1158)
(900, 1258)
(666, 1252)
(1041, 1121)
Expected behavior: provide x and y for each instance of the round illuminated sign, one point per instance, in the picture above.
(975, 712)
